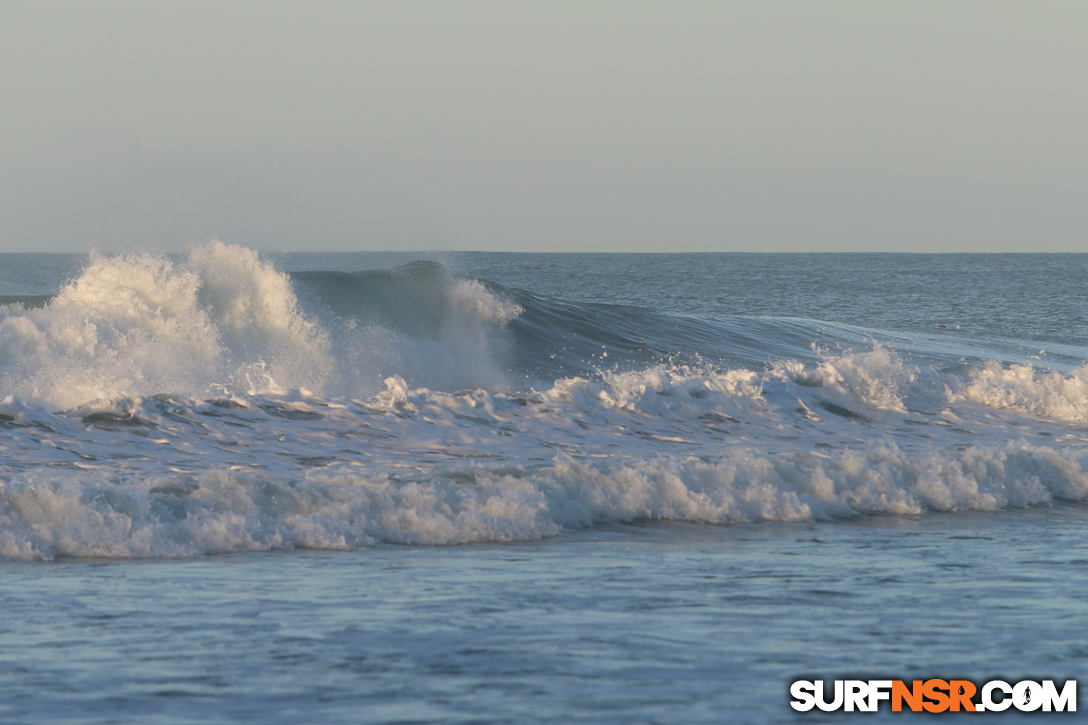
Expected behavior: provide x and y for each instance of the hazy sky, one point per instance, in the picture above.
(538, 126)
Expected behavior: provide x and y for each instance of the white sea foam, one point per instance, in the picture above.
(256, 314)
(222, 321)
(49, 514)
(140, 324)
(662, 390)
(877, 377)
(1023, 388)
(127, 324)
(413, 466)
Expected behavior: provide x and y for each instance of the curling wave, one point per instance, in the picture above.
(161, 407)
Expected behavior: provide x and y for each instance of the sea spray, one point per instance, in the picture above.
(130, 324)
(222, 321)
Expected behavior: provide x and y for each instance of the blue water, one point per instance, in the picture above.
(533, 488)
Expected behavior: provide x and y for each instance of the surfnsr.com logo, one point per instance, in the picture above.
(935, 696)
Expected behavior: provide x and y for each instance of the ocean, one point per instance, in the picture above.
(520, 488)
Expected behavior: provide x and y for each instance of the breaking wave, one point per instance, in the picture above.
(46, 515)
(222, 321)
(177, 406)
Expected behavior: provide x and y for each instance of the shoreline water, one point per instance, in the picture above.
(663, 622)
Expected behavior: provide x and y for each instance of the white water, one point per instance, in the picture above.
(167, 478)
(159, 408)
(222, 322)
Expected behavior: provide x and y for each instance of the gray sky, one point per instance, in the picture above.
(550, 126)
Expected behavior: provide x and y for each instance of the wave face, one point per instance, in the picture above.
(155, 406)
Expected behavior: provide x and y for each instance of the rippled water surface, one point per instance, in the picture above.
(670, 623)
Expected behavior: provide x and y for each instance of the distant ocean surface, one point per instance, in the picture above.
(515, 488)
